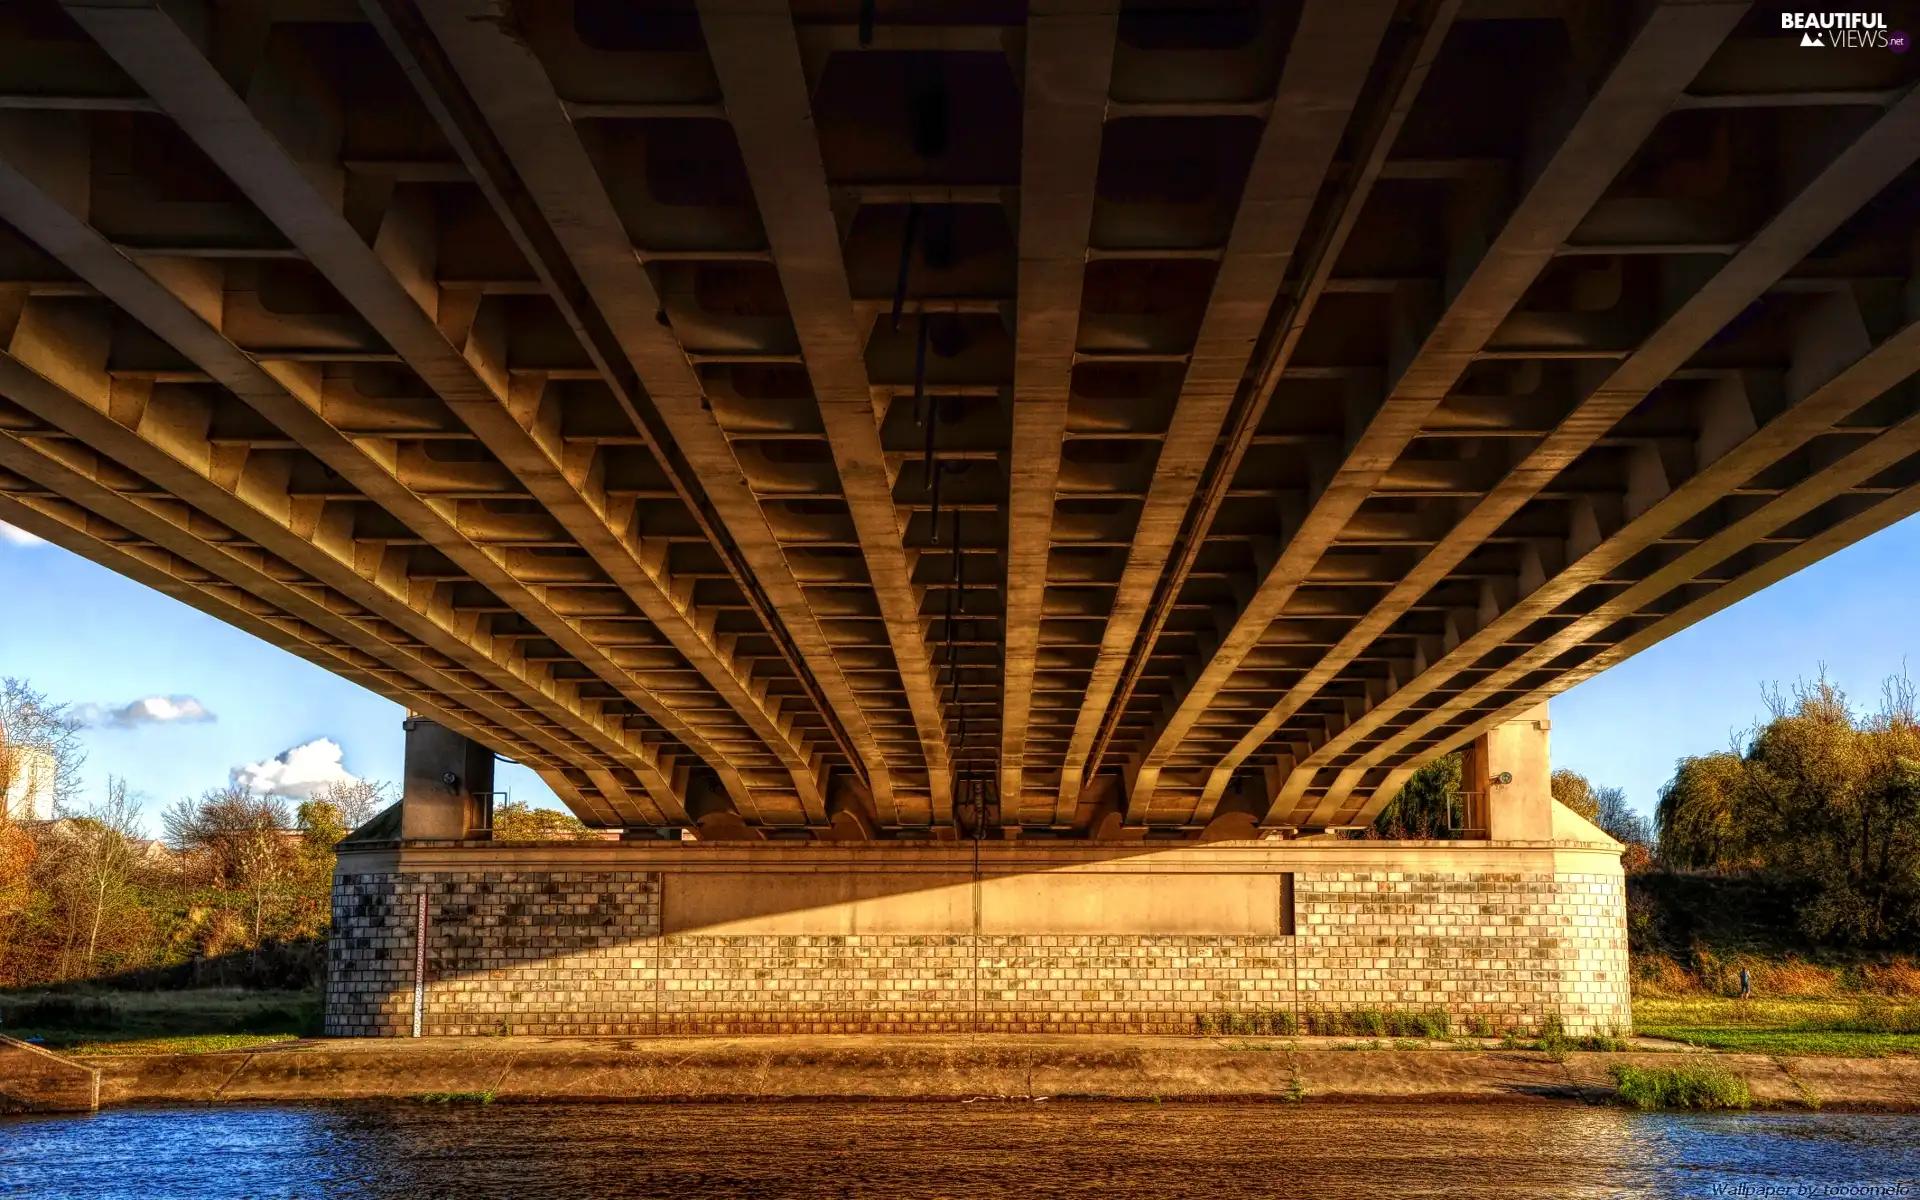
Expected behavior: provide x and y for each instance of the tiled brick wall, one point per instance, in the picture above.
(582, 952)
(1508, 948)
(370, 957)
(550, 952)
(816, 983)
(1128, 983)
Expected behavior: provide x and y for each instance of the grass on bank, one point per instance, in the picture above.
(1694, 1086)
(195, 1019)
(206, 1043)
(455, 1097)
(1871, 1027)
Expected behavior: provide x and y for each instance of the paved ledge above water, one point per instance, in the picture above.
(942, 1068)
(36, 1080)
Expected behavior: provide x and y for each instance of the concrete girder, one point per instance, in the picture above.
(1316, 281)
(1663, 57)
(1069, 59)
(620, 241)
(98, 434)
(396, 292)
(1826, 392)
(516, 139)
(1836, 537)
(1879, 455)
(1318, 88)
(112, 419)
(80, 531)
(756, 55)
(289, 395)
(72, 470)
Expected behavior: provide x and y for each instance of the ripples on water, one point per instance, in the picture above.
(987, 1149)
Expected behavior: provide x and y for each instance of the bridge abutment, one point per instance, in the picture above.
(627, 938)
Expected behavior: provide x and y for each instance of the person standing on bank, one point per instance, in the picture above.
(1746, 985)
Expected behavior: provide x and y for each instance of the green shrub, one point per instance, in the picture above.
(1433, 1023)
(1285, 1024)
(1688, 1087)
(1480, 1027)
(1875, 1015)
(1609, 1042)
(1203, 1024)
(1367, 1022)
(1322, 1024)
(456, 1098)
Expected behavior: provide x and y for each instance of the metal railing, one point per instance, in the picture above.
(1467, 814)
(484, 818)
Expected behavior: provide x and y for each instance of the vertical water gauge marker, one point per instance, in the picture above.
(420, 965)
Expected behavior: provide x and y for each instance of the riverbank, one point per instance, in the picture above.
(1005, 1067)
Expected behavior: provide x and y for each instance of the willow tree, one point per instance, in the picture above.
(1423, 807)
(1822, 796)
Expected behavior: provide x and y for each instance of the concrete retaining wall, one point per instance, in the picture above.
(960, 1068)
(608, 938)
(35, 1080)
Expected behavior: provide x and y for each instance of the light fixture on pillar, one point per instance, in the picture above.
(1503, 778)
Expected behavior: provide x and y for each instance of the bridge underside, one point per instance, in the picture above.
(1060, 414)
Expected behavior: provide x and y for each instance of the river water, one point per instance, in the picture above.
(985, 1149)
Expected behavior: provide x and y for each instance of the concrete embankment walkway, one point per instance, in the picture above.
(948, 1068)
(36, 1080)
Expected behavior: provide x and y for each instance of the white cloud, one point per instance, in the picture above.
(148, 710)
(14, 536)
(298, 773)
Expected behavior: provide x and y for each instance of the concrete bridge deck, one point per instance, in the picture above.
(1013, 413)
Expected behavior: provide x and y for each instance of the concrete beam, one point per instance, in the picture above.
(1333, 48)
(756, 54)
(1826, 393)
(278, 169)
(98, 540)
(1069, 59)
(1662, 58)
(290, 396)
(220, 560)
(514, 136)
(1836, 537)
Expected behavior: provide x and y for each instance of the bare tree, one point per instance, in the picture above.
(244, 834)
(106, 854)
(355, 803)
(1618, 819)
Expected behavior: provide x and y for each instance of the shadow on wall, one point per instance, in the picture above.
(714, 938)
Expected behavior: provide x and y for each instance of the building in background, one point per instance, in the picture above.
(26, 783)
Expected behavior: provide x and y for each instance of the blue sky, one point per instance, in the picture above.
(87, 636)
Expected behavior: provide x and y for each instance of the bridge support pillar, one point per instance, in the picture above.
(448, 785)
(1510, 765)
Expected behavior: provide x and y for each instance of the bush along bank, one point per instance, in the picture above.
(1690, 1087)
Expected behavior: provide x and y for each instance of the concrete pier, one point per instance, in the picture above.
(632, 938)
(1515, 925)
